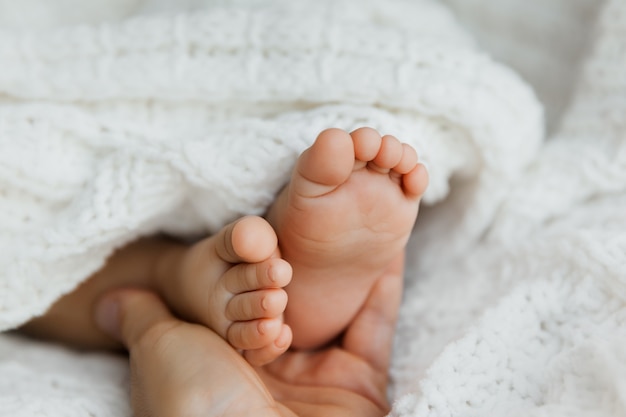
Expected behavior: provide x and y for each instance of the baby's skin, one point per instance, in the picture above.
(233, 282)
(342, 220)
(344, 217)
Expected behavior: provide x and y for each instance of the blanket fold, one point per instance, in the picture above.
(170, 122)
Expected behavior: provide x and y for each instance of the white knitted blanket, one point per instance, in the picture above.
(125, 118)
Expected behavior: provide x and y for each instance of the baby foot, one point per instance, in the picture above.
(233, 283)
(343, 219)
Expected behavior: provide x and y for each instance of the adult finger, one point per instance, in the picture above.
(178, 368)
(159, 365)
(128, 314)
(370, 335)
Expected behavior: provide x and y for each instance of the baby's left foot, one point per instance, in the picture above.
(233, 283)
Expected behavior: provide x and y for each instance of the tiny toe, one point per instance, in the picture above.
(415, 182)
(249, 239)
(408, 160)
(366, 143)
(257, 305)
(389, 154)
(254, 334)
(272, 273)
(266, 354)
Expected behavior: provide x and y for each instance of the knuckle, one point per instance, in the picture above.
(158, 335)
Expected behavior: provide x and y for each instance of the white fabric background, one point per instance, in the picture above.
(180, 116)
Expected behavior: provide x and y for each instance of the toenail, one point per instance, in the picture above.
(261, 328)
(282, 341)
(264, 303)
(271, 274)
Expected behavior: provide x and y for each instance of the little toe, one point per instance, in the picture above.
(389, 154)
(266, 354)
(257, 305)
(272, 273)
(415, 182)
(249, 239)
(254, 334)
(325, 165)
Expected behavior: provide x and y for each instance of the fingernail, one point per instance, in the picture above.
(107, 316)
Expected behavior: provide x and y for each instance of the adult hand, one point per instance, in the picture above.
(179, 368)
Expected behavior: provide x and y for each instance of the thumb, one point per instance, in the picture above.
(370, 335)
(127, 314)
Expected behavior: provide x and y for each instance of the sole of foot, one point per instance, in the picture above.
(344, 217)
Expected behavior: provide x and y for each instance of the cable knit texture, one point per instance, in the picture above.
(180, 116)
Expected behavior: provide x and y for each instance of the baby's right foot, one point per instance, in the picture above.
(233, 283)
(343, 221)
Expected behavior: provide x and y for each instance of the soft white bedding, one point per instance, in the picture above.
(180, 116)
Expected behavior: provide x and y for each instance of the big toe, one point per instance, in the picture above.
(249, 239)
(325, 165)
